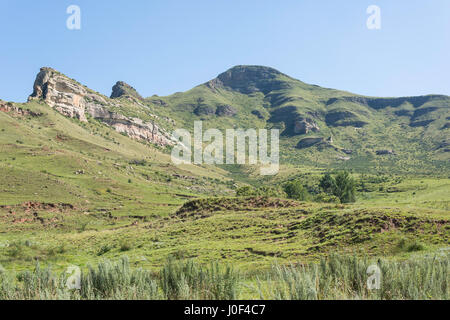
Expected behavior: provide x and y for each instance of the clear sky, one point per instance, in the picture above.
(164, 46)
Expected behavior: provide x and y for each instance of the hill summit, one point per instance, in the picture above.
(121, 89)
(248, 79)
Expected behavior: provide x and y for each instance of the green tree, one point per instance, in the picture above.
(295, 190)
(327, 184)
(342, 186)
(345, 187)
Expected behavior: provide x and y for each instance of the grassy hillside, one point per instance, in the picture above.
(415, 128)
(76, 193)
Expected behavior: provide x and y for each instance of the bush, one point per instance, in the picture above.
(245, 191)
(15, 250)
(295, 190)
(326, 198)
(342, 186)
(125, 246)
(103, 249)
(327, 184)
(410, 246)
(345, 187)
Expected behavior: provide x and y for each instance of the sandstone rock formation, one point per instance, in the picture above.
(76, 101)
(61, 94)
(11, 108)
(304, 126)
(123, 89)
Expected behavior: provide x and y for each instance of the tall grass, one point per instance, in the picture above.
(189, 280)
(334, 277)
(109, 280)
(345, 277)
(117, 281)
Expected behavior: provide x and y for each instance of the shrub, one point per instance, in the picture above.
(15, 250)
(327, 184)
(326, 198)
(415, 246)
(410, 246)
(345, 187)
(103, 249)
(342, 186)
(125, 246)
(295, 190)
(245, 191)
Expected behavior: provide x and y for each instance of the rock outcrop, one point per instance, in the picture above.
(444, 146)
(225, 111)
(342, 118)
(309, 142)
(204, 110)
(385, 152)
(62, 94)
(295, 123)
(9, 107)
(76, 101)
(259, 114)
(121, 89)
(304, 126)
(381, 103)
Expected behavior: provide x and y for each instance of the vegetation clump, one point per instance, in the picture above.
(342, 186)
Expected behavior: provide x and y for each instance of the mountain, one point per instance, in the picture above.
(320, 127)
(124, 89)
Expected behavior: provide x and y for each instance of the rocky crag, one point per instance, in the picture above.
(77, 101)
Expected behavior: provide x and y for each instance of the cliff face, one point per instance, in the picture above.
(62, 94)
(76, 101)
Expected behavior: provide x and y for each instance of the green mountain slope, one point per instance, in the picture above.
(320, 127)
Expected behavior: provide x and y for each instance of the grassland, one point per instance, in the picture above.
(74, 193)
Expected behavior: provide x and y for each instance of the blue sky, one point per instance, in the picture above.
(164, 46)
